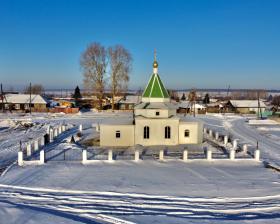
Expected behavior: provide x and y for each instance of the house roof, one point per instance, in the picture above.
(25, 99)
(247, 103)
(187, 104)
(130, 99)
(155, 88)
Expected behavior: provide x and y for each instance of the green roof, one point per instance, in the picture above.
(155, 88)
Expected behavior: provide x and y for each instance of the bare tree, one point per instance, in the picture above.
(120, 66)
(93, 62)
(192, 99)
(35, 89)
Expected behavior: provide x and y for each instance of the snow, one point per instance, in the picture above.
(24, 99)
(148, 191)
(262, 122)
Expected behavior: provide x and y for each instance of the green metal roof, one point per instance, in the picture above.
(155, 88)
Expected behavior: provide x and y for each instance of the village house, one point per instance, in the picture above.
(245, 106)
(22, 102)
(128, 102)
(187, 107)
(155, 121)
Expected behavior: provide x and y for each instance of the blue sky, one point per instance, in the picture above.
(201, 44)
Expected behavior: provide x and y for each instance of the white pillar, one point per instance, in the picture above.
(20, 158)
(225, 139)
(217, 136)
(84, 156)
(28, 149)
(235, 143)
(136, 155)
(42, 157)
(110, 155)
(36, 145)
(210, 133)
(205, 130)
(42, 143)
(51, 135)
(232, 154)
(185, 155)
(80, 128)
(209, 154)
(63, 128)
(245, 148)
(48, 129)
(59, 129)
(161, 154)
(55, 132)
(257, 155)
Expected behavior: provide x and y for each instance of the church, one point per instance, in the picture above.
(155, 121)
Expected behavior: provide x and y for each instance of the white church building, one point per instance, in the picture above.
(155, 122)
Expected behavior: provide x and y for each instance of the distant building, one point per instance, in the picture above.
(155, 122)
(22, 102)
(187, 107)
(128, 102)
(245, 106)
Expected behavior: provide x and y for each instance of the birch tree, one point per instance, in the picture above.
(93, 62)
(120, 66)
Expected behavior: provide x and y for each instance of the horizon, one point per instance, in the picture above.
(198, 42)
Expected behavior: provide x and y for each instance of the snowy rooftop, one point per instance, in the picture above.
(131, 99)
(247, 103)
(24, 99)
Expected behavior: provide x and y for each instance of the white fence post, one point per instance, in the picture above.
(136, 155)
(42, 141)
(55, 132)
(209, 154)
(225, 140)
(63, 128)
(97, 127)
(80, 128)
(110, 155)
(84, 156)
(235, 143)
(257, 155)
(185, 155)
(217, 136)
(59, 129)
(205, 130)
(28, 149)
(232, 154)
(51, 135)
(210, 133)
(245, 148)
(36, 145)
(42, 157)
(20, 158)
(161, 154)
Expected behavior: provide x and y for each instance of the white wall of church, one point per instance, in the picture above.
(108, 135)
(195, 132)
(156, 131)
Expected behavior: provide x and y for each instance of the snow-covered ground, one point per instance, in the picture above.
(147, 191)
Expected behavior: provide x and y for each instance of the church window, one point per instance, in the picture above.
(146, 132)
(167, 132)
(157, 113)
(118, 134)
(187, 133)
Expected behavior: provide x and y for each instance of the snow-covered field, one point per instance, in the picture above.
(147, 191)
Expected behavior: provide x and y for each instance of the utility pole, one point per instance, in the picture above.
(259, 106)
(2, 97)
(30, 98)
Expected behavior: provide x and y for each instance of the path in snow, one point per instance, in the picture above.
(104, 206)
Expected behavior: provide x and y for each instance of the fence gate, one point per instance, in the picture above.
(64, 154)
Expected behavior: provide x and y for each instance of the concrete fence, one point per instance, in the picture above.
(38, 144)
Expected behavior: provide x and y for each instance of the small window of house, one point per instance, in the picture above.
(187, 133)
(146, 132)
(157, 113)
(167, 132)
(118, 134)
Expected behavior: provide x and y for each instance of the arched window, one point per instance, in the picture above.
(167, 132)
(146, 132)
(187, 133)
